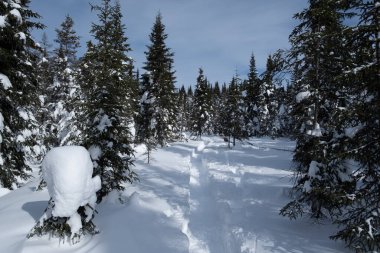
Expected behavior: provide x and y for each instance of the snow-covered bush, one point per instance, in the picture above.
(68, 173)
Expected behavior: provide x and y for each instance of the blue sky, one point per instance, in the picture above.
(217, 35)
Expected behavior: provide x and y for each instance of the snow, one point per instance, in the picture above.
(17, 14)
(68, 173)
(1, 123)
(3, 191)
(5, 81)
(22, 37)
(350, 132)
(233, 207)
(23, 114)
(3, 23)
(302, 95)
(316, 131)
(104, 123)
(95, 152)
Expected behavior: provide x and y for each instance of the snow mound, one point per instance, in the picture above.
(68, 173)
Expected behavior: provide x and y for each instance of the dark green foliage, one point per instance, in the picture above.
(200, 116)
(183, 111)
(106, 80)
(233, 115)
(252, 87)
(361, 220)
(62, 91)
(57, 226)
(17, 102)
(160, 75)
(315, 54)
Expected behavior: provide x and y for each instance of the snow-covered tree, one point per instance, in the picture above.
(358, 131)
(251, 98)
(200, 116)
(233, 121)
(18, 87)
(63, 90)
(317, 52)
(106, 80)
(159, 69)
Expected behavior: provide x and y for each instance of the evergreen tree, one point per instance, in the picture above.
(105, 79)
(317, 54)
(201, 106)
(216, 102)
(268, 108)
(233, 119)
(107, 100)
(63, 89)
(251, 99)
(159, 68)
(18, 86)
(358, 134)
(182, 110)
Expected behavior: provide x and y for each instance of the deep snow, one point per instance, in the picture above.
(196, 196)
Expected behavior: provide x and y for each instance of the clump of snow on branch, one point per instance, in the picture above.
(302, 95)
(316, 131)
(68, 173)
(5, 81)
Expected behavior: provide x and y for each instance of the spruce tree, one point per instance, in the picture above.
(317, 54)
(64, 89)
(107, 100)
(201, 106)
(182, 110)
(159, 68)
(105, 80)
(251, 99)
(18, 86)
(216, 102)
(358, 135)
(233, 115)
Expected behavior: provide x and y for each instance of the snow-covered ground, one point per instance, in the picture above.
(195, 196)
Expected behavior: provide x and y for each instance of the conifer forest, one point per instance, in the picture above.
(99, 155)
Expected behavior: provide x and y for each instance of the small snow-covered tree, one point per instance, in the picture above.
(68, 173)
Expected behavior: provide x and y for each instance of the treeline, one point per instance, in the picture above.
(323, 92)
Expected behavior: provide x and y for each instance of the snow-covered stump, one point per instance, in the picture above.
(67, 172)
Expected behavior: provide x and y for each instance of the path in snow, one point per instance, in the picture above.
(235, 198)
(195, 197)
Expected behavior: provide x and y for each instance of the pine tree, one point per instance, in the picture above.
(182, 110)
(317, 54)
(159, 67)
(107, 101)
(18, 86)
(359, 131)
(45, 79)
(251, 99)
(201, 106)
(63, 89)
(216, 102)
(233, 116)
